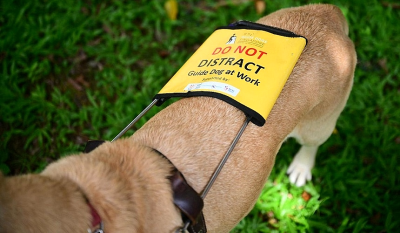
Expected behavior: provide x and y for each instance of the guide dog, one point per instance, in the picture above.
(125, 182)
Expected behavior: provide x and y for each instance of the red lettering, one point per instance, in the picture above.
(217, 50)
(240, 49)
(261, 53)
(254, 51)
(224, 50)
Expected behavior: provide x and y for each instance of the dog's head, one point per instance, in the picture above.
(36, 203)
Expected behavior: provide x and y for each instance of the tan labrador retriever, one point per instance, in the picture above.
(125, 181)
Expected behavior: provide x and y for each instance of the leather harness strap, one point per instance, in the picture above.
(199, 226)
(92, 144)
(188, 201)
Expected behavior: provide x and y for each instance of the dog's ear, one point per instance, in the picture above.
(41, 203)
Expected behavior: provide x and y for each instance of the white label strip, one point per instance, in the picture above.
(223, 87)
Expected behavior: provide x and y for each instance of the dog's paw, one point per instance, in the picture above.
(299, 170)
(299, 173)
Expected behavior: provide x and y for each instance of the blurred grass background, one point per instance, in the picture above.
(78, 70)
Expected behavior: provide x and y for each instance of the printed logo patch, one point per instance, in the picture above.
(232, 39)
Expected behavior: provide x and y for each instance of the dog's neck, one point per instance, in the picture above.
(133, 185)
(188, 201)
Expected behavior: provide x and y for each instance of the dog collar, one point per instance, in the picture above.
(96, 220)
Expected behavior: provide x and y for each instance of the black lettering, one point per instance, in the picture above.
(202, 63)
(239, 62)
(209, 62)
(247, 64)
(241, 75)
(222, 60)
(259, 68)
(230, 60)
(215, 62)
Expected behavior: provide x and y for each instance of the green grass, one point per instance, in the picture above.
(74, 70)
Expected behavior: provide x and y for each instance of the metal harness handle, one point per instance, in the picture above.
(190, 224)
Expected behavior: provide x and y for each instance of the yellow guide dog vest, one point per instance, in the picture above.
(244, 64)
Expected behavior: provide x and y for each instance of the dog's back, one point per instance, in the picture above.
(194, 133)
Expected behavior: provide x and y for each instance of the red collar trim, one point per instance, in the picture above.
(96, 220)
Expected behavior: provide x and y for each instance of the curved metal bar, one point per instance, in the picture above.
(225, 158)
(136, 119)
